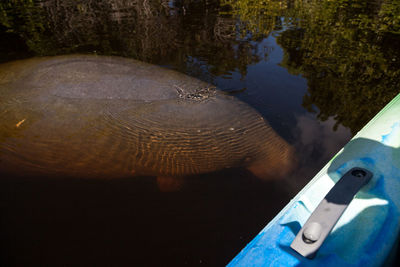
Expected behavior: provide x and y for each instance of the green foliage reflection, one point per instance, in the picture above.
(189, 35)
(257, 18)
(347, 49)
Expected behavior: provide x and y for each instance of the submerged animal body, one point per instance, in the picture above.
(92, 116)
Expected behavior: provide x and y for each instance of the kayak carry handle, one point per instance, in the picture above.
(321, 222)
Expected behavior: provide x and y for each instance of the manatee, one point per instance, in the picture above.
(98, 116)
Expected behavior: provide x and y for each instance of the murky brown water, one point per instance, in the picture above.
(315, 72)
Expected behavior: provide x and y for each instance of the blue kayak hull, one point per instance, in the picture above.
(368, 231)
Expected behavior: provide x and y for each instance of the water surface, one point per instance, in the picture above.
(316, 71)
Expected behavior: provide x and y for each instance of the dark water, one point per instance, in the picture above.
(316, 71)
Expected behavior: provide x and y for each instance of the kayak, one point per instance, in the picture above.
(366, 232)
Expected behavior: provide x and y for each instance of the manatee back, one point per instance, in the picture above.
(104, 116)
(97, 77)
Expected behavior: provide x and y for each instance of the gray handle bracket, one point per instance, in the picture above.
(325, 216)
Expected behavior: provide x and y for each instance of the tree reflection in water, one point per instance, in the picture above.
(347, 50)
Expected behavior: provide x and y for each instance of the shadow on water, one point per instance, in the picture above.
(125, 222)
